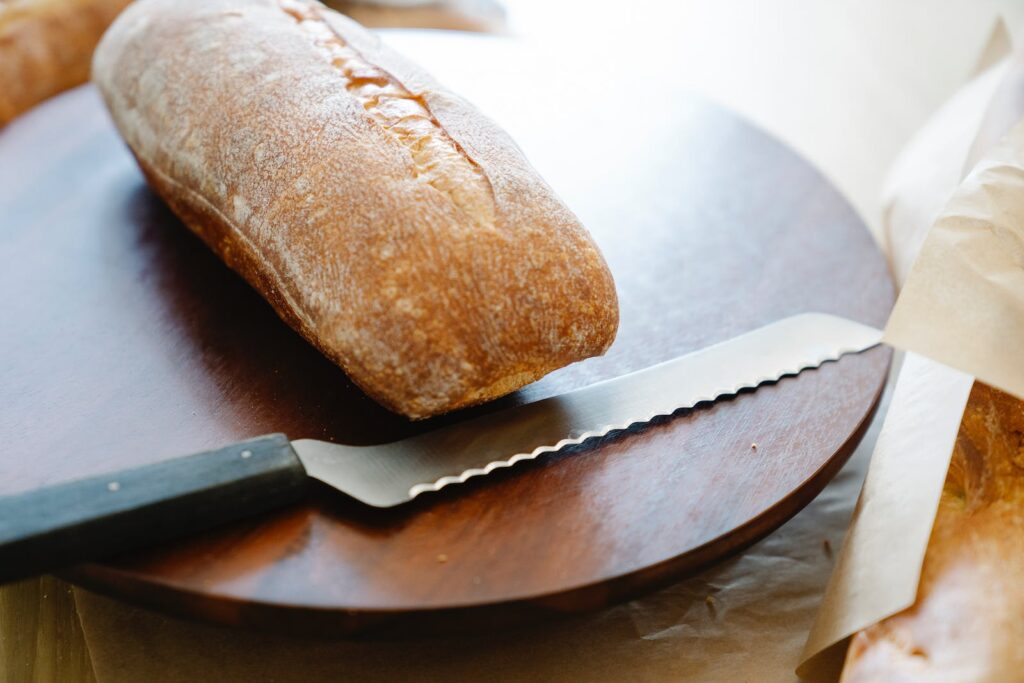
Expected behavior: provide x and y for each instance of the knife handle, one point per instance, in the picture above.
(54, 527)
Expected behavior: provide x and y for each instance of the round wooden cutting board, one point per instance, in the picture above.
(125, 341)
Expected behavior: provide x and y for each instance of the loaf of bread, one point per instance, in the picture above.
(967, 624)
(46, 47)
(389, 222)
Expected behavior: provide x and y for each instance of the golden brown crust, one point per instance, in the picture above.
(967, 623)
(394, 226)
(46, 47)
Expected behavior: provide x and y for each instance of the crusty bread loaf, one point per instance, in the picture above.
(46, 47)
(967, 624)
(384, 218)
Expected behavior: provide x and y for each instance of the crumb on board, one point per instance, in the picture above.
(753, 446)
(827, 547)
(442, 558)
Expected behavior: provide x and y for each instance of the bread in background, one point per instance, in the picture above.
(46, 47)
(967, 623)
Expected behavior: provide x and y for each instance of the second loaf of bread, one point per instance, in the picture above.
(46, 46)
(967, 621)
(394, 226)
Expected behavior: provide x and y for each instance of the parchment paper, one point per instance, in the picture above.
(880, 564)
(932, 164)
(963, 303)
(963, 295)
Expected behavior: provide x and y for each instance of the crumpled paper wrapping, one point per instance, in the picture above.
(933, 163)
(963, 303)
(962, 309)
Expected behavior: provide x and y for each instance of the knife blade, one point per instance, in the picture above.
(392, 474)
(48, 528)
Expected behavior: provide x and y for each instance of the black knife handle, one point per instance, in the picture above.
(54, 527)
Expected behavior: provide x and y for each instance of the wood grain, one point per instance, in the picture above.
(126, 341)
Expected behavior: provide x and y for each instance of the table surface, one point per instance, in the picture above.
(144, 349)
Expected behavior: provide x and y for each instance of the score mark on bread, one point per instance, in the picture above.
(436, 158)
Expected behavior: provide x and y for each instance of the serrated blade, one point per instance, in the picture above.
(394, 473)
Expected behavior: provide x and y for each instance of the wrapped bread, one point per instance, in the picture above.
(967, 623)
(46, 46)
(394, 226)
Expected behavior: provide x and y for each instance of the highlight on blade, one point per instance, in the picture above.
(461, 478)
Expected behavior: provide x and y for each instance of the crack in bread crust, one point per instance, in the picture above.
(436, 158)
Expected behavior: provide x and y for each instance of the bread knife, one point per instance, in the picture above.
(49, 528)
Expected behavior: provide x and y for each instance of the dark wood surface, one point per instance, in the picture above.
(124, 341)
